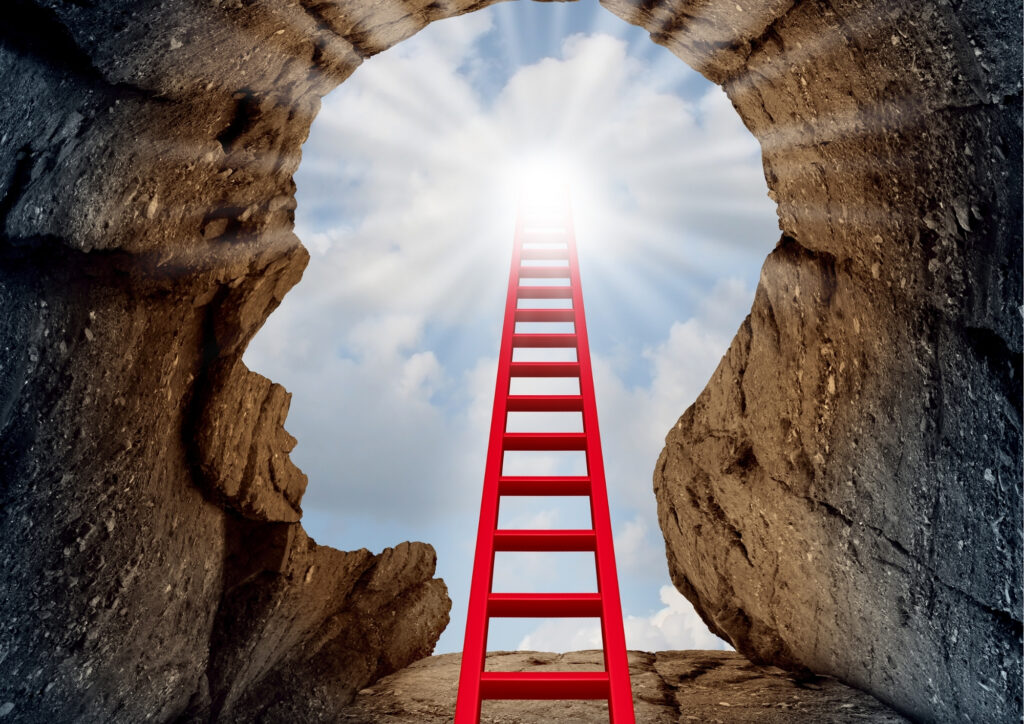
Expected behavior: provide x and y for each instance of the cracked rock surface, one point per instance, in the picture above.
(669, 687)
(153, 565)
(845, 494)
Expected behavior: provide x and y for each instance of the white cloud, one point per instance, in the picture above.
(635, 418)
(674, 627)
(388, 343)
(382, 337)
(558, 636)
(638, 548)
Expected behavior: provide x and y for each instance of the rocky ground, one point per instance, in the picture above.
(668, 687)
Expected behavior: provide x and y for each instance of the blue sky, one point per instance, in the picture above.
(406, 201)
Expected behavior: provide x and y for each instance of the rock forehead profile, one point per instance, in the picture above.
(154, 568)
(844, 497)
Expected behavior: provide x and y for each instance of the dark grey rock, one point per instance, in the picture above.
(153, 569)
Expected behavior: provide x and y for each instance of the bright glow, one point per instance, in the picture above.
(407, 199)
(541, 181)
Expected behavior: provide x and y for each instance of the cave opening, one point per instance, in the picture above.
(862, 522)
(406, 204)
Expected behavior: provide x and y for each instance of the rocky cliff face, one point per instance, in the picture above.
(668, 687)
(844, 497)
(136, 584)
(153, 566)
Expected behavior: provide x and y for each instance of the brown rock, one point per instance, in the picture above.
(668, 687)
(845, 495)
(243, 447)
(296, 639)
(145, 485)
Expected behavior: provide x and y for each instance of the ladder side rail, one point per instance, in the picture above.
(620, 699)
(474, 649)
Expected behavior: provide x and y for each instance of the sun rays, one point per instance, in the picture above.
(407, 198)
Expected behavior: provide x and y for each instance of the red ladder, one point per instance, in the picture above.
(556, 241)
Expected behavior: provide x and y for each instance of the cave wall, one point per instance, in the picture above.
(153, 565)
(844, 496)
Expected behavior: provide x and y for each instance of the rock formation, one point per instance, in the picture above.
(153, 566)
(668, 687)
(844, 498)
(845, 495)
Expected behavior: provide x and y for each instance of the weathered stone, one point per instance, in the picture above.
(308, 626)
(845, 496)
(145, 235)
(668, 687)
(243, 447)
(120, 575)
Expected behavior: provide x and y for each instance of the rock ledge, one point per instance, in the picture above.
(668, 687)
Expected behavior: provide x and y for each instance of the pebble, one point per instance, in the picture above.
(214, 228)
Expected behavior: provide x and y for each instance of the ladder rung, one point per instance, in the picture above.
(545, 315)
(562, 253)
(544, 234)
(545, 441)
(544, 268)
(544, 605)
(545, 369)
(544, 685)
(544, 292)
(544, 540)
(543, 272)
(569, 485)
(544, 223)
(543, 340)
(544, 403)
